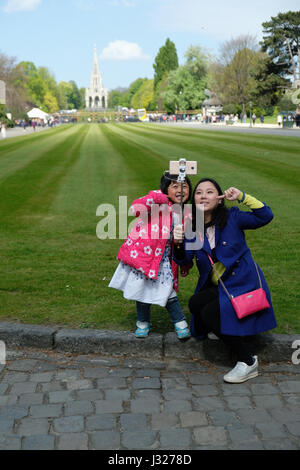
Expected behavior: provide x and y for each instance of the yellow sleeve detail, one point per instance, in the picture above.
(251, 201)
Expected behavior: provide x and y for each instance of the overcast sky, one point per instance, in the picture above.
(60, 34)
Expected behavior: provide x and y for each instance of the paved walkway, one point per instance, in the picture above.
(51, 400)
(19, 131)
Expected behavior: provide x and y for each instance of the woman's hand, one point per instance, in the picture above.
(178, 234)
(230, 194)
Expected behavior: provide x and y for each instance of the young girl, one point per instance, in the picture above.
(146, 272)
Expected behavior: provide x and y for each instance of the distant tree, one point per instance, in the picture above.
(165, 61)
(50, 104)
(233, 76)
(75, 100)
(144, 96)
(281, 41)
(71, 93)
(269, 87)
(197, 61)
(184, 87)
(15, 80)
(114, 99)
(183, 91)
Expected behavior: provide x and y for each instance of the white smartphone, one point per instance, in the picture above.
(190, 167)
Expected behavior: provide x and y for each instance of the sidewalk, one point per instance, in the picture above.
(55, 401)
(19, 131)
(95, 389)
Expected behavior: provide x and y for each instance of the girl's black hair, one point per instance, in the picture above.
(167, 179)
(219, 215)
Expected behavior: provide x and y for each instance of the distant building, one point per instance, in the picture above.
(2, 92)
(212, 104)
(96, 97)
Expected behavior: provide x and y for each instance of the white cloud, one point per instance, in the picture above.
(21, 5)
(123, 50)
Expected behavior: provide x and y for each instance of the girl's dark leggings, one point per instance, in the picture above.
(204, 305)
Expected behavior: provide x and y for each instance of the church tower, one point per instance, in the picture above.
(96, 97)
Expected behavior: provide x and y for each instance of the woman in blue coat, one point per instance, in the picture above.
(224, 241)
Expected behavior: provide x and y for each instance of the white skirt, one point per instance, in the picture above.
(136, 286)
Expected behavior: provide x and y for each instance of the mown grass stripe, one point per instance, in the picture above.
(56, 271)
(20, 142)
(22, 156)
(32, 188)
(239, 155)
(266, 146)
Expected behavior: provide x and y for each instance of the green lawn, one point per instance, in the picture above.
(54, 269)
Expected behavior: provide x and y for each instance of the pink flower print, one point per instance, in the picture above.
(128, 242)
(141, 270)
(155, 228)
(143, 233)
(158, 252)
(150, 201)
(134, 254)
(148, 250)
(165, 229)
(151, 273)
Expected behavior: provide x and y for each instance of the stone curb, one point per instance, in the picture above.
(269, 347)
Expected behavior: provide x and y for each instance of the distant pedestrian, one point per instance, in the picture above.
(253, 118)
(3, 131)
(34, 125)
(262, 118)
(279, 120)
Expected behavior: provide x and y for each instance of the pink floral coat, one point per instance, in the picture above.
(145, 245)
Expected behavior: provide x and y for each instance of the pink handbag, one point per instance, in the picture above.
(248, 303)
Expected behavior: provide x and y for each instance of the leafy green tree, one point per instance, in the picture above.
(144, 96)
(233, 77)
(15, 81)
(74, 97)
(281, 41)
(183, 92)
(185, 85)
(50, 104)
(197, 62)
(165, 61)
(269, 87)
(114, 98)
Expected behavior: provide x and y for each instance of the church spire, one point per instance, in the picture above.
(96, 65)
(96, 96)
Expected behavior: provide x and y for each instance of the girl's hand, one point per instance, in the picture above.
(230, 194)
(178, 234)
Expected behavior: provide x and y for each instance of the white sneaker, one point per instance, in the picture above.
(242, 372)
(212, 336)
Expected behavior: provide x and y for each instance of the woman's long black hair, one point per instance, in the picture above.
(219, 215)
(167, 179)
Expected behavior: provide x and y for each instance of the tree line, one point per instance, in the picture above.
(29, 86)
(244, 71)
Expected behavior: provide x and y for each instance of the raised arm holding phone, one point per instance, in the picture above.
(226, 260)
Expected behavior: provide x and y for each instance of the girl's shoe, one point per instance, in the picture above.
(182, 330)
(242, 372)
(142, 330)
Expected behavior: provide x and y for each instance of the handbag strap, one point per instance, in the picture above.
(222, 283)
